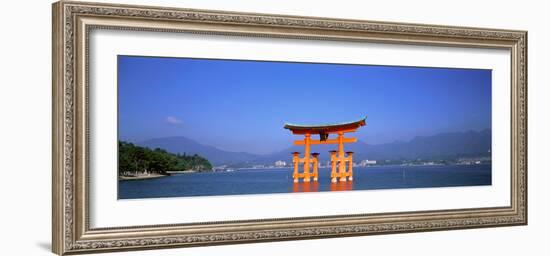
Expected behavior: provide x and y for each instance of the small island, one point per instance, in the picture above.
(137, 163)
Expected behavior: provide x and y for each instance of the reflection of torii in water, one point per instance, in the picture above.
(337, 157)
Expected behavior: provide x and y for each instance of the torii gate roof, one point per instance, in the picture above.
(326, 128)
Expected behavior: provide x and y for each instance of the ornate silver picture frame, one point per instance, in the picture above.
(74, 21)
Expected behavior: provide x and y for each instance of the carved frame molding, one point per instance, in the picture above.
(72, 22)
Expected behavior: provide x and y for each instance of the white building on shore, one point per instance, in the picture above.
(280, 163)
(367, 162)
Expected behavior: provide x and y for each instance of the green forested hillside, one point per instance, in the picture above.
(135, 160)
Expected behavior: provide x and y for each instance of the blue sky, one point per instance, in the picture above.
(242, 105)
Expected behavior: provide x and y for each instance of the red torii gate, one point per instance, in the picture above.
(338, 158)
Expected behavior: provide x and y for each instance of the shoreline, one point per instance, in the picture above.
(142, 177)
(368, 166)
(179, 172)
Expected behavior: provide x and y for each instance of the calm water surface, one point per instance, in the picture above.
(262, 181)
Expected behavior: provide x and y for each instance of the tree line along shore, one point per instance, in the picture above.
(135, 162)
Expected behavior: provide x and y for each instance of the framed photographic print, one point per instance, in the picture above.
(179, 127)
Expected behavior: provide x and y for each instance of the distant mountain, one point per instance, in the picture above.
(439, 146)
(187, 146)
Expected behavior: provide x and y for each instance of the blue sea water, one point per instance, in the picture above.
(266, 181)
